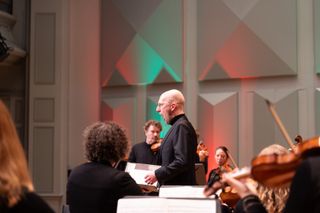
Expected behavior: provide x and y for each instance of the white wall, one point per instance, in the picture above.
(84, 85)
(64, 89)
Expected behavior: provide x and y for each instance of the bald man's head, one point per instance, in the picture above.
(170, 104)
(173, 96)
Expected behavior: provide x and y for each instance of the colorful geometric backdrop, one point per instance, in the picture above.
(146, 50)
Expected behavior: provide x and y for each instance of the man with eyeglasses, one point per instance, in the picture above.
(177, 154)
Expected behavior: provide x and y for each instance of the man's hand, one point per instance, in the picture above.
(150, 178)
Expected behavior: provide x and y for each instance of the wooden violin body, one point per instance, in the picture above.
(275, 170)
(229, 196)
(156, 146)
(272, 170)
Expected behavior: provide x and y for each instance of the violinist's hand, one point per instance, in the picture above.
(150, 178)
(241, 187)
(203, 155)
(210, 190)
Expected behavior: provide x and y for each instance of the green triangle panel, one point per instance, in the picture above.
(163, 32)
(140, 64)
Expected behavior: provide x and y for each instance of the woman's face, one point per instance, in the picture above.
(221, 157)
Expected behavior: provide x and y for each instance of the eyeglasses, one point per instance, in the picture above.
(162, 104)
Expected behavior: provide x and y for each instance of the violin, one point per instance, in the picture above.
(202, 151)
(156, 146)
(275, 170)
(298, 139)
(228, 195)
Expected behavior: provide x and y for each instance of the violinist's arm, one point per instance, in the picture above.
(250, 202)
(227, 179)
(241, 187)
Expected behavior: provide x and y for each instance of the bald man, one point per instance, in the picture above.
(177, 154)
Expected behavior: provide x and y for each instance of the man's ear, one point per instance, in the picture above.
(173, 107)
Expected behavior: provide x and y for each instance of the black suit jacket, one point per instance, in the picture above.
(95, 187)
(177, 154)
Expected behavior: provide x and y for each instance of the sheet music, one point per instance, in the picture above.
(167, 205)
(139, 170)
(182, 192)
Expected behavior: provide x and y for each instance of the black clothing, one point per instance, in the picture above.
(177, 154)
(214, 176)
(96, 187)
(305, 188)
(142, 153)
(30, 202)
(205, 164)
(250, 204)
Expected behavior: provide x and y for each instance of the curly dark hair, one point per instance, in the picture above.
(105, 142)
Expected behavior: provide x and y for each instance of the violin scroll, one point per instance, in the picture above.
(202, 151)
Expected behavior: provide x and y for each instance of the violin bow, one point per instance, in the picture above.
(279, 123)
(232, 160)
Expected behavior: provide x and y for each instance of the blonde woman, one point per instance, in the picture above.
(16, 188)
(274, 199)
(257, 197)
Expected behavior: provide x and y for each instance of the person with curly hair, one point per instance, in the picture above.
(96, 185)
(16, 187)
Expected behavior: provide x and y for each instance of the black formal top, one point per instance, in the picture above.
(30, 202)
(305, 188)
(250, 204)
(96, 187)
(142, 153)
(214, 176)
(177, 154)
